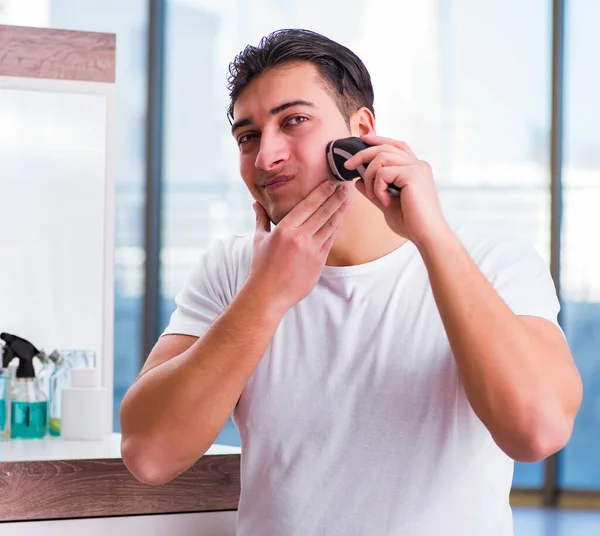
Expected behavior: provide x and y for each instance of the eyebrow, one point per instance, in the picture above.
(273, 111)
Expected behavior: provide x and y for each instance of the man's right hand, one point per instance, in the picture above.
(287, 262)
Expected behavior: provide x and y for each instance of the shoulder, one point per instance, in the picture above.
(497, 250)
(232, 250)
(516, 269)
(222, 267)
(211, 285)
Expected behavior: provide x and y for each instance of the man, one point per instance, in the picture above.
(383, 369)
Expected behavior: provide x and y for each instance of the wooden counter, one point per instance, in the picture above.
(58, 479)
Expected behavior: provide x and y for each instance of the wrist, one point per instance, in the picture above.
(436, 241)
(264, 300)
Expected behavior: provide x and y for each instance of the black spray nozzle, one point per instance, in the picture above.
(23, 350)
(7, 356)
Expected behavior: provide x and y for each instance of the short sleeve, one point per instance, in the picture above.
(208, 289)
(519, 275)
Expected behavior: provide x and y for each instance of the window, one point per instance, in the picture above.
(203, 197)
(580, 276)
(493, 165)
(471, 102)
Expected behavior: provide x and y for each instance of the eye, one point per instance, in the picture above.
(245, 138)
(296, 120)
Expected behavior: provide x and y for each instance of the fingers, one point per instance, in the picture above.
(397, 175)
(328, 244)
(380, 162)
(378, 185)
(322, 215)
(360, 186)
(308, 206)
(372, 139)
(328, 231)
(366, 156)
(263, 222)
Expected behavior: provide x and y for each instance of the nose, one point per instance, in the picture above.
(273, 151)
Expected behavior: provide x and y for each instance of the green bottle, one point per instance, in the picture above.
(29, 405)
(29, 410)
(58, 381)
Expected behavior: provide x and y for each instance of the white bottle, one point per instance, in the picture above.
(84, 411)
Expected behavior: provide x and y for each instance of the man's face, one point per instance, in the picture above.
(286, 117)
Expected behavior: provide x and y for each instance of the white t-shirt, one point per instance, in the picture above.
(355, 421)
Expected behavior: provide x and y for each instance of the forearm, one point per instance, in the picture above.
(175, 411)
(511, 379)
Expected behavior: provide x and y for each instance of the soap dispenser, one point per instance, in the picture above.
(29, 405)
(84, 411)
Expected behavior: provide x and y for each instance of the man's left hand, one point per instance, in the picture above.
(416, 213)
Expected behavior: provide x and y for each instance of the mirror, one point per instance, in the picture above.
(53, 154)
(57, 208)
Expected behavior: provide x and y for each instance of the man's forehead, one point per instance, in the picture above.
(287, 83)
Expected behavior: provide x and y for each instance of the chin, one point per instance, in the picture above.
(280, 210)
(284, 205)
(276, 215)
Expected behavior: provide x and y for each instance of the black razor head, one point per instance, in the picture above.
(338, 151)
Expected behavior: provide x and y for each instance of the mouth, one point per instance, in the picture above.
(277, 182)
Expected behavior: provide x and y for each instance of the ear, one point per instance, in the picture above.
(362, 122)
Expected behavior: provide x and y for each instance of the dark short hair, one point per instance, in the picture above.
(342, 71)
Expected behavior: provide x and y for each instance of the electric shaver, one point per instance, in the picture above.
(338, 151)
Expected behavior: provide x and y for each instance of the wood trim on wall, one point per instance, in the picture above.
(566, 499)
(67, 489)
(57, 54)
(526, 498)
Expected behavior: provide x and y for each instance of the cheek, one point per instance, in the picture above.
(247, 171)
(312, 158)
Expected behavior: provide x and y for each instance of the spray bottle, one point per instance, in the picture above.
(7, 377)
(29, 405)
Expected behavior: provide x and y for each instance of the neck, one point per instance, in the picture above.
(364, 235)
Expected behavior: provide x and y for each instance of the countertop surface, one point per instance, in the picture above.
(54, 478)
(55, 448)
